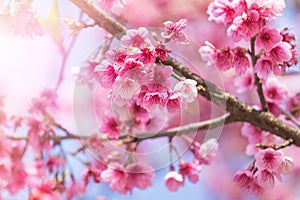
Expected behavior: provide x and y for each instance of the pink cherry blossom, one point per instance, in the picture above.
(147, 55)
(288, 37)
(117, 56)
(188, 89)
(221, 11)
(264, 66)
(94, 172)
(126, 88)
(5, 170)
(140, 175)
(267, 38)
(265, 179)
(269, 159)
(252, 133)
(245, 26)
(17, 178)
(240, 61)
(174, 180)
(161, 51)
(88, 73)
(4, 148)
(136, 38)
(38, 133)
(149, 100)
(55, 162)
(245, 82)
(44, 191)
(160, 76)
(273, 8)
(243, 178)
(173, 102)
(25, 20)
(281, 52)
(139, 114)
(75, 189)
(207, 151)
(274, 91)
(274, 108)
(129, 64)
(108, 77)
(45, 103)
(191, 170)
(173, 31)
(255, 188)
(223, 59)
(111, 127)
(123, 179)
(116, 175)
(208, 53)
(286, 166)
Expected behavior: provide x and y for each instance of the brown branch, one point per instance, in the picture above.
(264, 120)
(260, 93)
(185, 129)
(176, 131)
(101, 18)
(290, 117)
(276, 147)
(258, 83)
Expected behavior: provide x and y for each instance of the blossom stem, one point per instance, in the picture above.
(65, 55)
(257, 79)
(260, 93)
(290, 117)
(101, 18)
(276, 147)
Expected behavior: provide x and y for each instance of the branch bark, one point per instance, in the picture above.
(101, 18)
(241, 111)
(185, 129)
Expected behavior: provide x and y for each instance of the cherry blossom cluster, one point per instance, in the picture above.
(122, 176)
(203, 153)
(270, 51)
(123, 179)
(260, 175)
(137, 78)
(20, 20)
(45, 172)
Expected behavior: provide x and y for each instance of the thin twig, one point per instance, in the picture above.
(261, 93)
(290, 117)
(186, 129)
(276, 147)
(176, 131)
(65, 55)
(258, 83)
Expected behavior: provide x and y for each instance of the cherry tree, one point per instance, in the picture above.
(185, 86)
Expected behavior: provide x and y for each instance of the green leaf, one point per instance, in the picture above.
(51, 24)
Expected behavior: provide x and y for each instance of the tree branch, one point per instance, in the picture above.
(185, 129)
(264, 120)
(65, 55)
(176, 131)
(258, 83)
(101, 18)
